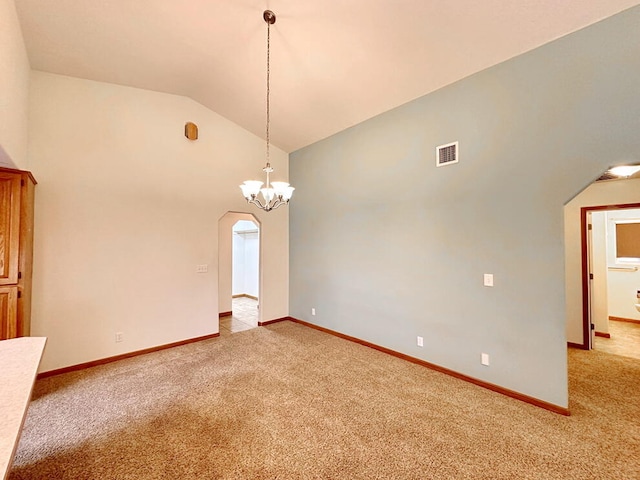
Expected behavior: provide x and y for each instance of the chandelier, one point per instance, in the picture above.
(274, 194)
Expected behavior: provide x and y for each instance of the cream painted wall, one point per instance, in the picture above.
(623, 285)
(14, 89)
(601, 193)
(126, 207)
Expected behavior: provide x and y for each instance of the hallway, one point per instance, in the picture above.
(244, 317)
(624, 341)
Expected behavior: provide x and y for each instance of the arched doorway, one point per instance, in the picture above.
(239, 272)
(587, 263)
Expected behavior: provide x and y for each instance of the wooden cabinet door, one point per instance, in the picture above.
(8, 312)
(9, 227)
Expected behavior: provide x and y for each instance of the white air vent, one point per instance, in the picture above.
(447, 154)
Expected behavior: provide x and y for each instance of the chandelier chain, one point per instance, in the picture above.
(279, 193)
(268, 83)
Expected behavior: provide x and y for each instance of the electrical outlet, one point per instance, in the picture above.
(484, 359)
(420, 342)
(488, 279)
(313, 311)
(202, 268)
(119, 337)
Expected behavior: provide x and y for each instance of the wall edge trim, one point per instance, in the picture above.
(115, 358)
(461, 376)
(245, 295)
(623, 319)
(275, 320)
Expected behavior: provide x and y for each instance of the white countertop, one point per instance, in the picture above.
(19, 361)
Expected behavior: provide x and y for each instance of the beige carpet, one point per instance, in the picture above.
(289, 402)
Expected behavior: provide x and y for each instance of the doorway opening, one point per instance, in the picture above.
(611, 278)
(245, 273)
(239, 278)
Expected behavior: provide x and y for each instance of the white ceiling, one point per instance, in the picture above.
(334, 63)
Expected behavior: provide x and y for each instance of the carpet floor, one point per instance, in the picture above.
(289, 402)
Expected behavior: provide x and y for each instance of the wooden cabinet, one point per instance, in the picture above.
(9, 312)
(16, 252)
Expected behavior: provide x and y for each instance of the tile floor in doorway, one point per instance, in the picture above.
(624, 341)
(244, 317)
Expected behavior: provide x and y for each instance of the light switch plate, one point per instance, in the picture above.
(488, 279)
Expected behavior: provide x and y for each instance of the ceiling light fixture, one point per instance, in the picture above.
(274, 194)
(624, 170)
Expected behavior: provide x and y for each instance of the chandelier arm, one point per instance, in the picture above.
(278, 203)
(256, 202)
(267, 207)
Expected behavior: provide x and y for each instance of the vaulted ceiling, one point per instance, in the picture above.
(334, 63)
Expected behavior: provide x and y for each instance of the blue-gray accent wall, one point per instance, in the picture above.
(387, 247)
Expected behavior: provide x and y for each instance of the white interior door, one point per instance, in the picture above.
(598, 286)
